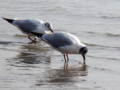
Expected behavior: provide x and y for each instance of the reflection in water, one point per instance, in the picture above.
(33, 61)
(4, 43)
(32, 54)
(82, 68)
(63, 76)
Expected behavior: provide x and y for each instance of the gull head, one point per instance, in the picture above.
(48, 26)
(83, 52)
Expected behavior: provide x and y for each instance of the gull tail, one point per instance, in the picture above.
(9, 20)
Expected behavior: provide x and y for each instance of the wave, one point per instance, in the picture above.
(88, 44)
(110, 17)
(10, 43)
(90, 32)
(112, 35)
(103, 57)
(5, 43)
(104, 34)
(18, 35)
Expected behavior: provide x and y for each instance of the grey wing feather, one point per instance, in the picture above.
(58, 40)
(27, 25)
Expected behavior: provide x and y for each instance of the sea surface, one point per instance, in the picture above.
(36, 66)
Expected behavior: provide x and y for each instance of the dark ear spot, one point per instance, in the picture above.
(45, 24)
(83, 50)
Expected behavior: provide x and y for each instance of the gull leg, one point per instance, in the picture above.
(64, 57)
(34, 39)
(31, 39)
(67, 58)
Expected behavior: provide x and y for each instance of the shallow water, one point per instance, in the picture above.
(30, 66)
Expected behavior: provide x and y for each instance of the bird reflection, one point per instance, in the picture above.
(64, 75)
(83, 68)
(31, 54)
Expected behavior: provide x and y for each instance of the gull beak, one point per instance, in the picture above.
(51, 30)
(83, 58)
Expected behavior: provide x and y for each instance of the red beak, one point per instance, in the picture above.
(51, 30)
(83, 58)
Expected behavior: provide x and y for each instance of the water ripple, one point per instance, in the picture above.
(103, 57)
(93, 45)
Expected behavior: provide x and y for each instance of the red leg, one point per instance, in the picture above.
(64, 57)
(67, 58)
(30, 39)
(34, 39)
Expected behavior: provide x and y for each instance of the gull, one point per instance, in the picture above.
(65, 43)
(31, 25)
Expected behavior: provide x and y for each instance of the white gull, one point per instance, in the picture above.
(65, 43)
(31, 25)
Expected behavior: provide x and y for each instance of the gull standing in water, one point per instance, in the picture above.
(31, 25)
(64, 42)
